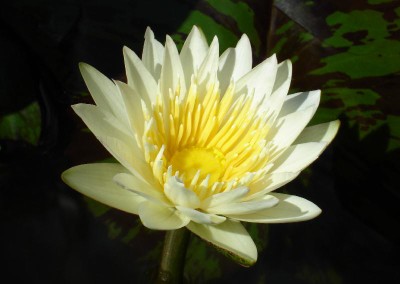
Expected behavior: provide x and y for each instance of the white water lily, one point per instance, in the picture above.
(202, 140)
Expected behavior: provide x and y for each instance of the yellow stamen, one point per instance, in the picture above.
(210, 140)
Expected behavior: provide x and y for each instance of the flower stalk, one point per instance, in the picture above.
(173, 256)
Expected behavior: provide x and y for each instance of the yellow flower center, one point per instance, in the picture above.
(212, 142)
(199, 161)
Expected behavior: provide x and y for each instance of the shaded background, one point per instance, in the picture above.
(349, 49)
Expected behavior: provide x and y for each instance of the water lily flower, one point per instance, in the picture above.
(202, 140)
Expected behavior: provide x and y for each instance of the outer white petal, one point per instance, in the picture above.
(246, 207)
(324, 132)
(272, 106)
(224, 197)
(138, 186)
(235, 62)
(121, 145)
(153, 54)
(105, 94)
(259, 80)
(298, 157)
(133, 103)
(229, 236)
(200, 217)
(289, 209)
(175, 190)
(193, 52)
(172, 71)
(103, 122)
(139, 78)
(300, 101)
(208, 69)
(283, 77)
(287, 128)
(159, 217)
(96, 181)
(269, 183)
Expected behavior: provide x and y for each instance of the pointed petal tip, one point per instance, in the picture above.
(82, 64)
(85, 67)
(244, 37)
(168, 39)
(149, 33)
(195, 29)
(335, 124)
(288, 63)
(126, 50)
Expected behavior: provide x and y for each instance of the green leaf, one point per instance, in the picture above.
(22, 125)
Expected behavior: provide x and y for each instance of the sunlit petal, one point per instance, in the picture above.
(245, 207)
(139, 78)
(259, 81)
(175, 190)
(193, 52)
(229, 236)
(96, 181)
(138, 186)
(172, 72)
(298, 157)
(235, 62)
(290, 208)
(153, 54)
(159, 217)
(200, 217)
(324, 132)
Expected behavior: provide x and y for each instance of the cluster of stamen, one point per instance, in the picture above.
(212, 143)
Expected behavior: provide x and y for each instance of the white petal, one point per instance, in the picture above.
(101, 122)
(300, 101)
(105, 94)
(283, 77)
(235, 62)
(287, 128)
(324, 132)
(175, 190)
(121, 145)
(96, 181)
(298, 157)
(200, 217)
(132, 101)
(153, 54)
(246, 207)
(138, 186)
(159, 217)
(224, 197)
(127, 156)
(229, 236)
(269, 183)
(260, 80)
(289, 209)
(193, 52)
(272, 106)
(208, 69)
(139, 78)
(171, 72)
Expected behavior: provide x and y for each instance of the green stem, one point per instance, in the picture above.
(173, 256)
